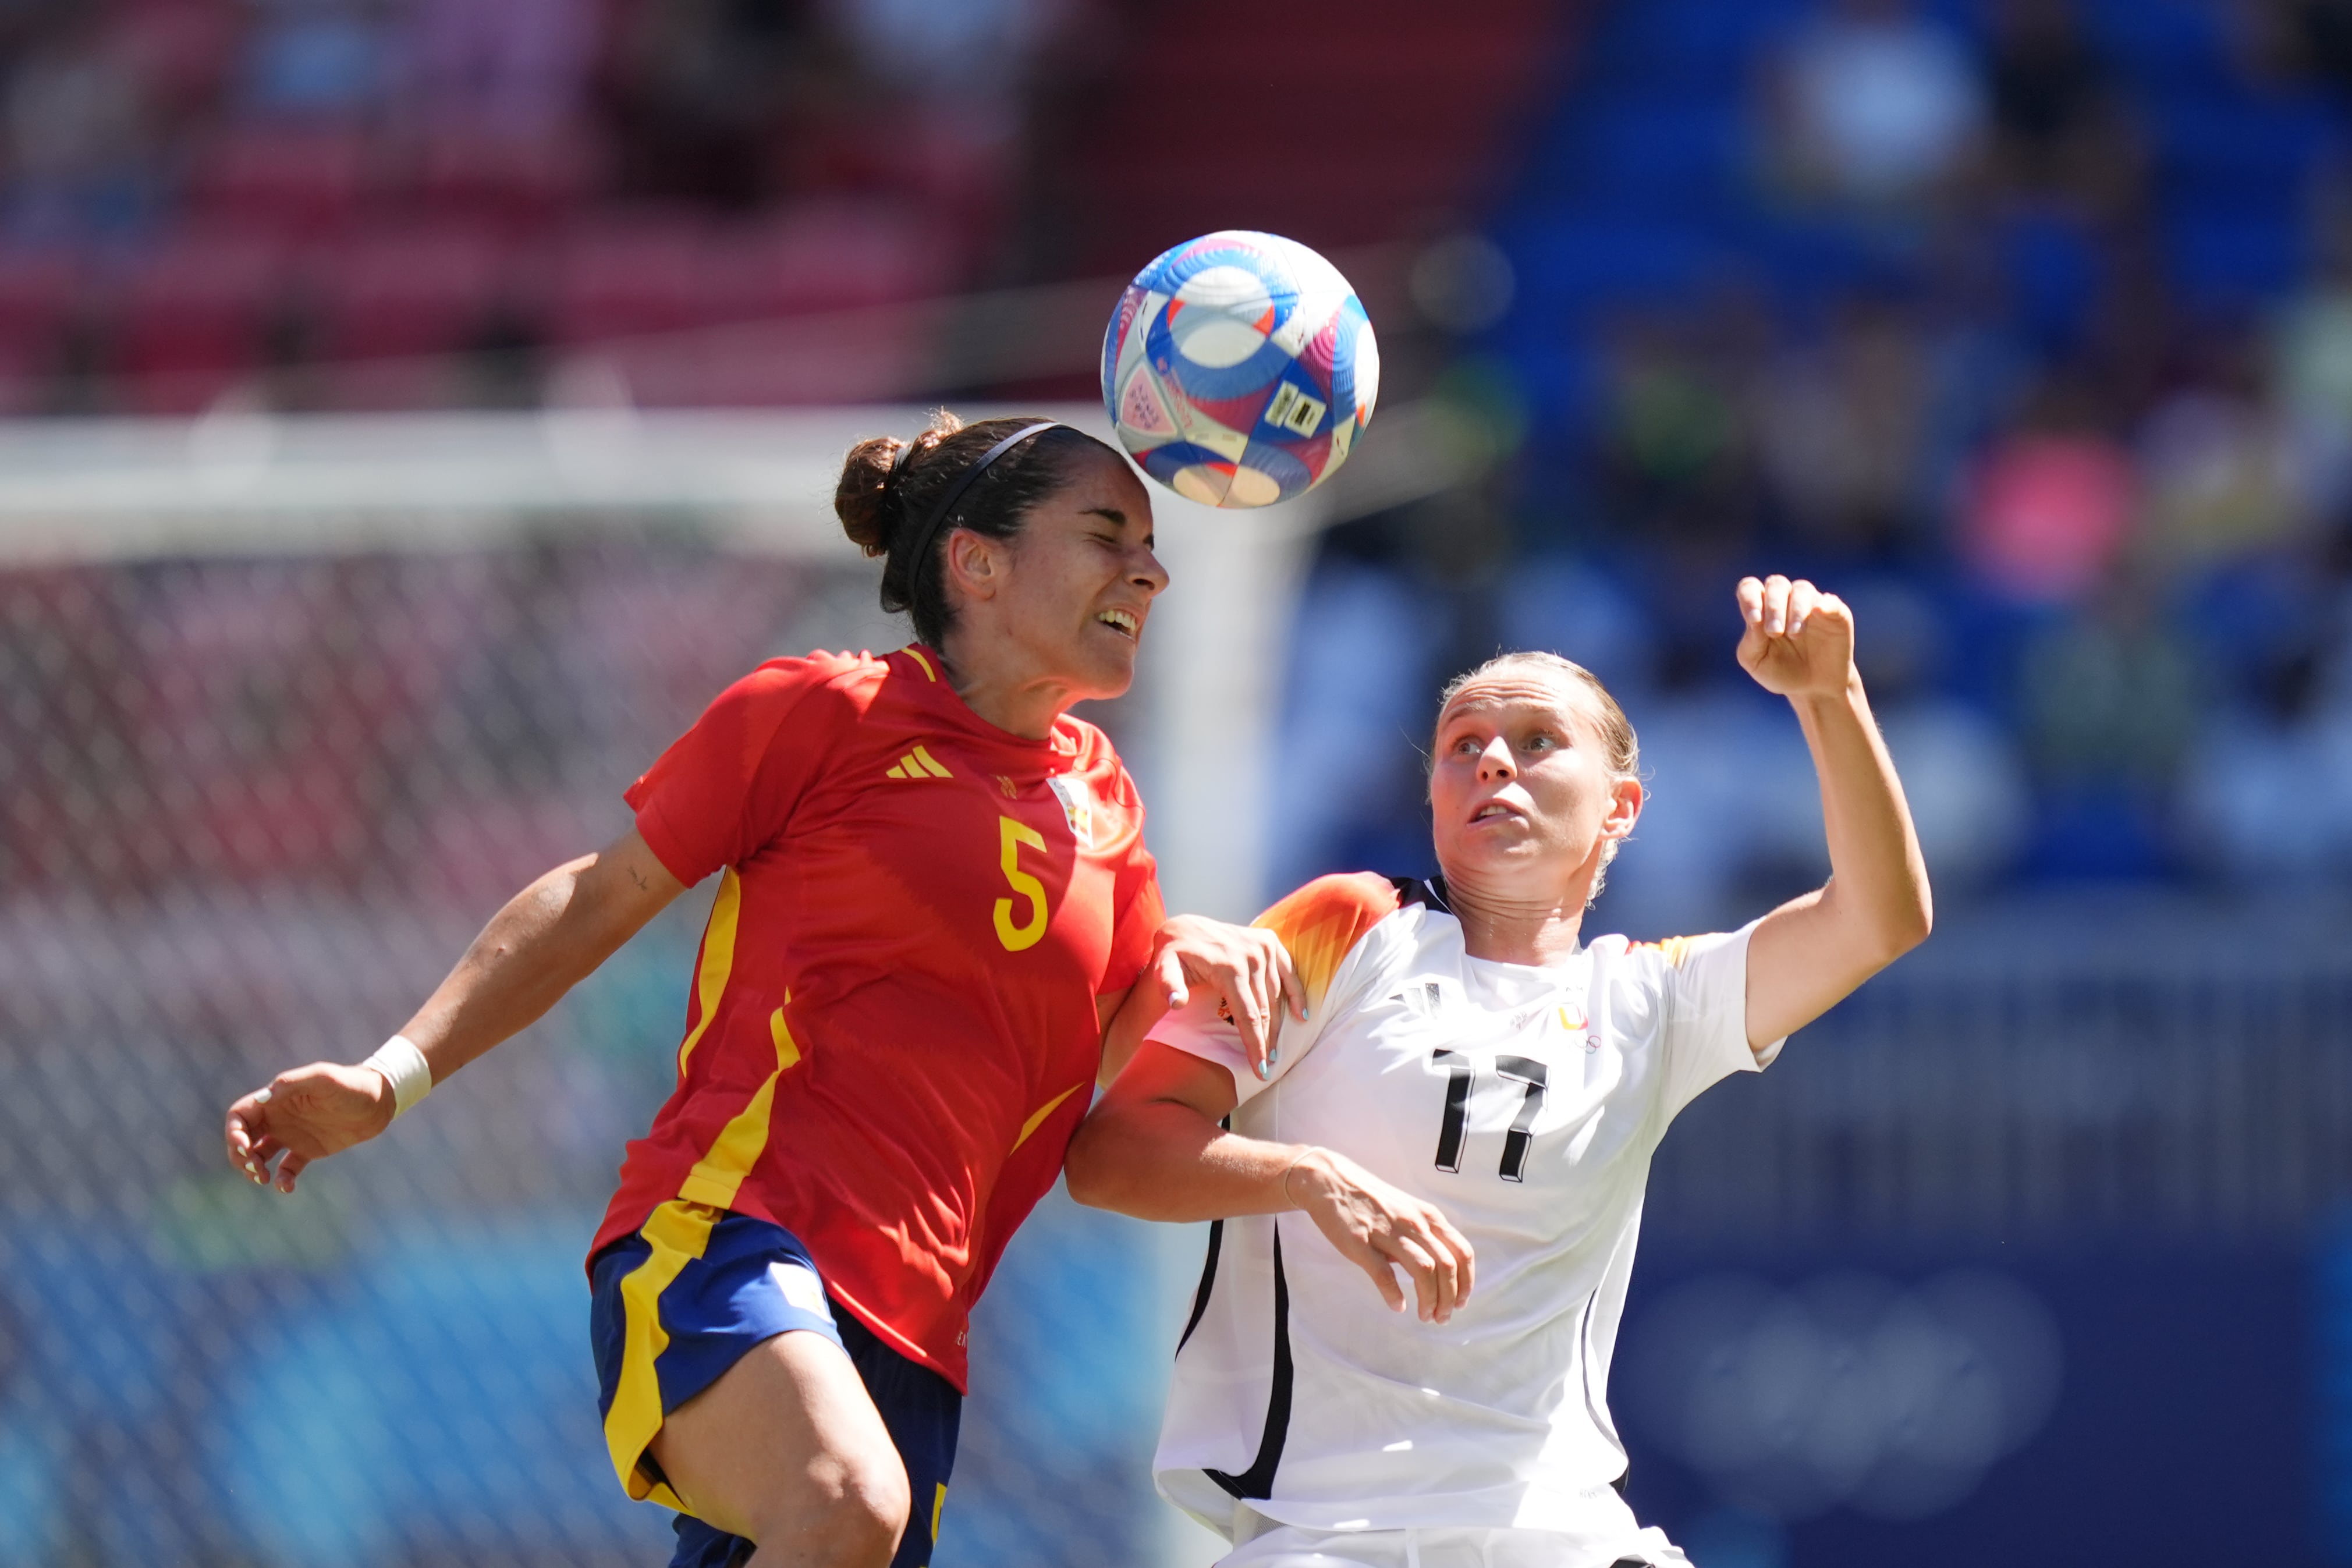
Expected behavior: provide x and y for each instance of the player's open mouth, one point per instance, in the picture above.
(1494, 810)
(1123, 622)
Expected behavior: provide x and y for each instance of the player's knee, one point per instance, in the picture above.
(883, 1505)
(848, 1516)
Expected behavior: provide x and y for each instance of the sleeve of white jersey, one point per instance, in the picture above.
(1706, 1015)
(1324, 926)
(1198, 1029)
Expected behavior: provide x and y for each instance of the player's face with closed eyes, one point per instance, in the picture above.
(1521, 787)
(1083, 577)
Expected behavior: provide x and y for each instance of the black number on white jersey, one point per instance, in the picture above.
(1460, 1077)
(1521, 1137)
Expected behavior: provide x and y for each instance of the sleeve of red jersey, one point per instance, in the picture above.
(729, 785)
(1137, 919)
(1321, 924)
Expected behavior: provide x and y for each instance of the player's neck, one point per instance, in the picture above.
(1006, 693)
(1511, 926)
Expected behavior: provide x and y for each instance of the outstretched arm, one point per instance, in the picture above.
(1246, 967)
(1810, 953)
(543, 942)
(1153, 1147)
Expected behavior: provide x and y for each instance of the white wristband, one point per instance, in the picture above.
(404, 1068)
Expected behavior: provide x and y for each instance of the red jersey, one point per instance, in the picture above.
(891, 1035)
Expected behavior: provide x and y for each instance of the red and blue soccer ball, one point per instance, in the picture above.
(1240, 369)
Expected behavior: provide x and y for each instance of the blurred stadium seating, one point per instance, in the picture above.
(426, 182)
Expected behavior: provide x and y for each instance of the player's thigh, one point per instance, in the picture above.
(786, 1435)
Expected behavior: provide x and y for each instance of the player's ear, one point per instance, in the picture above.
(1624, 808)
(975, 563)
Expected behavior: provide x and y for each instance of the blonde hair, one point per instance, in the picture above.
(1621, 747)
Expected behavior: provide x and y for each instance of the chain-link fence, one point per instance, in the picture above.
(250, 810)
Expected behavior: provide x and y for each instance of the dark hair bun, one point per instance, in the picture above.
(869, 512)
(862, 499)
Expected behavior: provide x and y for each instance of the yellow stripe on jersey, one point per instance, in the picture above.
(911, 651)
(718, 1176)
(939, 1503)
(788, 1050)
(1322, 922)
(1037, 1117)
(717, 961)
(899, 772)
(930, 763)
(677, 1233)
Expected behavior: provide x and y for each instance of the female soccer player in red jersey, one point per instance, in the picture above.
(934, 902)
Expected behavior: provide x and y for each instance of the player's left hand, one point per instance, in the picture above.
(1799, 640)
(1246, 965)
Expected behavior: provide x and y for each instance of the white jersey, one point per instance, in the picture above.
(1524, 1103)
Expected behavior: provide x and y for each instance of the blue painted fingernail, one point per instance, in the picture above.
(1274, 1057)
(1265, 1070)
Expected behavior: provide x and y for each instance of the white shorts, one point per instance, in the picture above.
(1262, 1542)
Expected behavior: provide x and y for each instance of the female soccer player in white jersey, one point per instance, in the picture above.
(1475, 1081)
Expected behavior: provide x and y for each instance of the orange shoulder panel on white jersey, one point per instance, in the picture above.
(1322, 922)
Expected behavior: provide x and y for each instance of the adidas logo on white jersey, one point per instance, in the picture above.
(1424, 999)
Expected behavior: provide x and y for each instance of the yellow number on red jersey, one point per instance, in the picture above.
(1011, 837)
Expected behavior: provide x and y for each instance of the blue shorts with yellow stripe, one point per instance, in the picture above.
(677, 1304)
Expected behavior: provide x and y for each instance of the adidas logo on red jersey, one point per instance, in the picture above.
(918, 763)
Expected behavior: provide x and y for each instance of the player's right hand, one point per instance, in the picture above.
(305, 1115)
(1381, 1229)
(1256, 982)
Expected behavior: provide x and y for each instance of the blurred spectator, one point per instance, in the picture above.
(2050, 507)
(522, 64)
(2112, 700)
(317, 58)
(2111, 692)
(182, 51)
(2215, 463)
(976, 48)
(1732, 812)
(2268, 792)
(2308, 39)
(958, 77)
(1841, 426)
(1676, 453)
(703, 91)
(2060, 129)
(2311, 366)
(1970, 799)
(80, 154)
(1875, 104)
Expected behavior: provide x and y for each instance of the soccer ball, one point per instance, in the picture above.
(1239, 369)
